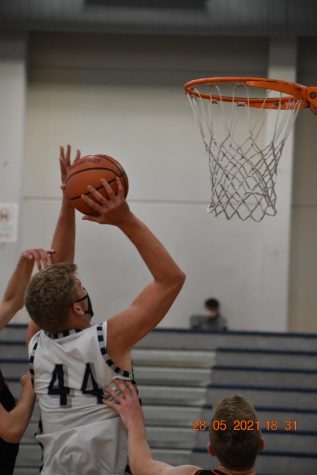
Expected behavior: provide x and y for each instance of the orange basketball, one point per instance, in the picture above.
(89, 170)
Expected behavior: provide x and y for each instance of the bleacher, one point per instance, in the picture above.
(181, 374)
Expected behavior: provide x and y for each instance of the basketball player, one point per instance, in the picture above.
(14, 418)
(73, 360)
(236, 450)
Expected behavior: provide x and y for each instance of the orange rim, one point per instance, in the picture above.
(296, 92)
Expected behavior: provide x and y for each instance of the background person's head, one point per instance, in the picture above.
(51, 295)
(235, 449)
(212, 306)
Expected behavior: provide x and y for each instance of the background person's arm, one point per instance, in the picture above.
(14, 423)
(126, 403)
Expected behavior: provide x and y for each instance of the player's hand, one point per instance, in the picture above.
(26, 379)
(42, 257)
(114, 210)
(125, 401)
(65, 162)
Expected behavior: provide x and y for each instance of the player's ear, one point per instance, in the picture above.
(76, 308)
(211, 450)
(261, 444)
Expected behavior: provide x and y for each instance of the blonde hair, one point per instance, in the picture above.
(237, 446)
(49, 295)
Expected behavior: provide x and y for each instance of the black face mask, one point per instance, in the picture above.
(89, 310)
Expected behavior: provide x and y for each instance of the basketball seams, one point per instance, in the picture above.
(93, 169)
(99, 187)
(105, 157)
(112, 160)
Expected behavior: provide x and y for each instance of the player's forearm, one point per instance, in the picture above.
(18, 281)
(158, 260)
(64, 236)
(140, 456)
(19, 418)
(13, 298)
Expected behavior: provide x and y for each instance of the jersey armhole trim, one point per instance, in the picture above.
(106, 357)
(31, 359)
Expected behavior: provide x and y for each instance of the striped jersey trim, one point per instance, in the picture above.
(108, 360)
(31, 360)
(63, 334)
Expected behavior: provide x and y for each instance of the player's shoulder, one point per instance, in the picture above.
(95, 331)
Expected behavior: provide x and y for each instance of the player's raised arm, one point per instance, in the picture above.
(151, 305)
(65, 231)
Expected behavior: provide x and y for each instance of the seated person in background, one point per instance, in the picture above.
(14, 418)
(212, 320)
(235, 449)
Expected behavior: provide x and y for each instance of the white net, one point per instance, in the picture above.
(244, 145)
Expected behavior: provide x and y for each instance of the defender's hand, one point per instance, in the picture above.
(42, 257)
(125, 401)
(26, 380)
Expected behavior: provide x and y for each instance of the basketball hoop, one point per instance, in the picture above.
(244, 123)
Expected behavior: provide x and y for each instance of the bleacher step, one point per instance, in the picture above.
(14, 332)
(13, 349)
(261, 396)
(175, 416)
(275, 441)
(185, 438)
(306, 419)
(13, 367)
(171, 416)
(173, 358)
(267, 358)
(282, 378)
(207, 340)
(173, 376)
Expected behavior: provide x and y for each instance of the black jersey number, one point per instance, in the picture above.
(90, 382)
(58, 389)
(57, 385)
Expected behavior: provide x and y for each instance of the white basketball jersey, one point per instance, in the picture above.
(80, 435)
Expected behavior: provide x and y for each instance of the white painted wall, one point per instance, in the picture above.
(12, 120)
(123, 96)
